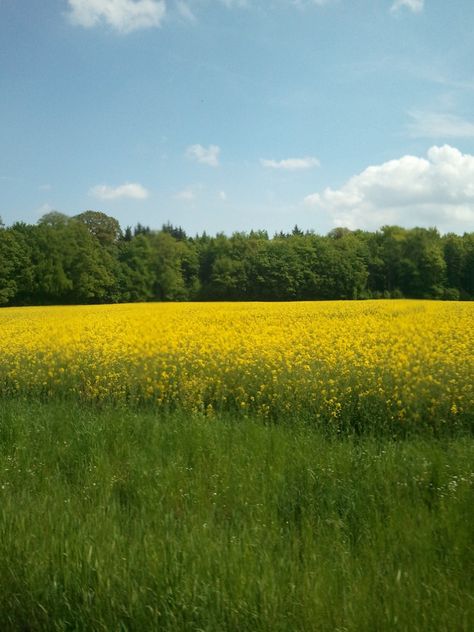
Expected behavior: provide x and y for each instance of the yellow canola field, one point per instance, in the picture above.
(343, 362)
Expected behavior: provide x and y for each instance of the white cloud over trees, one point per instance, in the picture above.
(434, 191)
(131, 190)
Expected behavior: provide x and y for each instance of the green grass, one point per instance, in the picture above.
(119, 520)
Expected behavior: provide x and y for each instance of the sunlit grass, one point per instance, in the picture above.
(121, 520)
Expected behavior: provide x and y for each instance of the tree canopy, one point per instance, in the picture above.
(89, 259)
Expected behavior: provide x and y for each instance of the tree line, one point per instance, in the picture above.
(88, 258)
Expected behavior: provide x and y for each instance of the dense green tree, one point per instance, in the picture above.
(423, 264)
(92, 269)
(50, 254)
(141, 230)
(453, 251)
(188, 257)
(66, 263)
(87, 259)
(175, 231)
(104, 228)
(137, 278)
(467, 279)
(222, 274)
(227, 278)
(391, 241)
(14, 265)
(167, 258)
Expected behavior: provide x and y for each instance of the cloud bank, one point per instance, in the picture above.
(123, 16)
(433, 191)
(131, 190)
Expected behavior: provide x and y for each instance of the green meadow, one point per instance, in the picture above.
(116, 519)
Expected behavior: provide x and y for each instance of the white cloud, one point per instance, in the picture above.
(414, 5)
(222, 196)
(207, 156)
(434, 125)
(291, 164)
(187, 195)
(123, 16)
(45, 187)
(433, 191)
(130, 190)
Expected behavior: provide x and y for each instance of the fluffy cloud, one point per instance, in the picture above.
(434, 125)
(433, 191)
(123, 16)
(206, 156)
(414, 5)
(130, 190)
(291, 164)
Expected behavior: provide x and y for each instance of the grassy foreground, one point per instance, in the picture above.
(119, 520)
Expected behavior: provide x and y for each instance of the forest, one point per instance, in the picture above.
(89, 259)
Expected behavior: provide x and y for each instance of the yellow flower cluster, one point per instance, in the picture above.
(397, 360)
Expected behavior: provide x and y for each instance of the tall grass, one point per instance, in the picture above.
(120, 520)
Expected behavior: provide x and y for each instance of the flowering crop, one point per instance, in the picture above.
(339, 362)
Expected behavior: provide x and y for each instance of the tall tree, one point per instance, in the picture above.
(14, 264)
(104, 228)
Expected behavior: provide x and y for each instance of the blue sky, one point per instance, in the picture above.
(229, 115)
